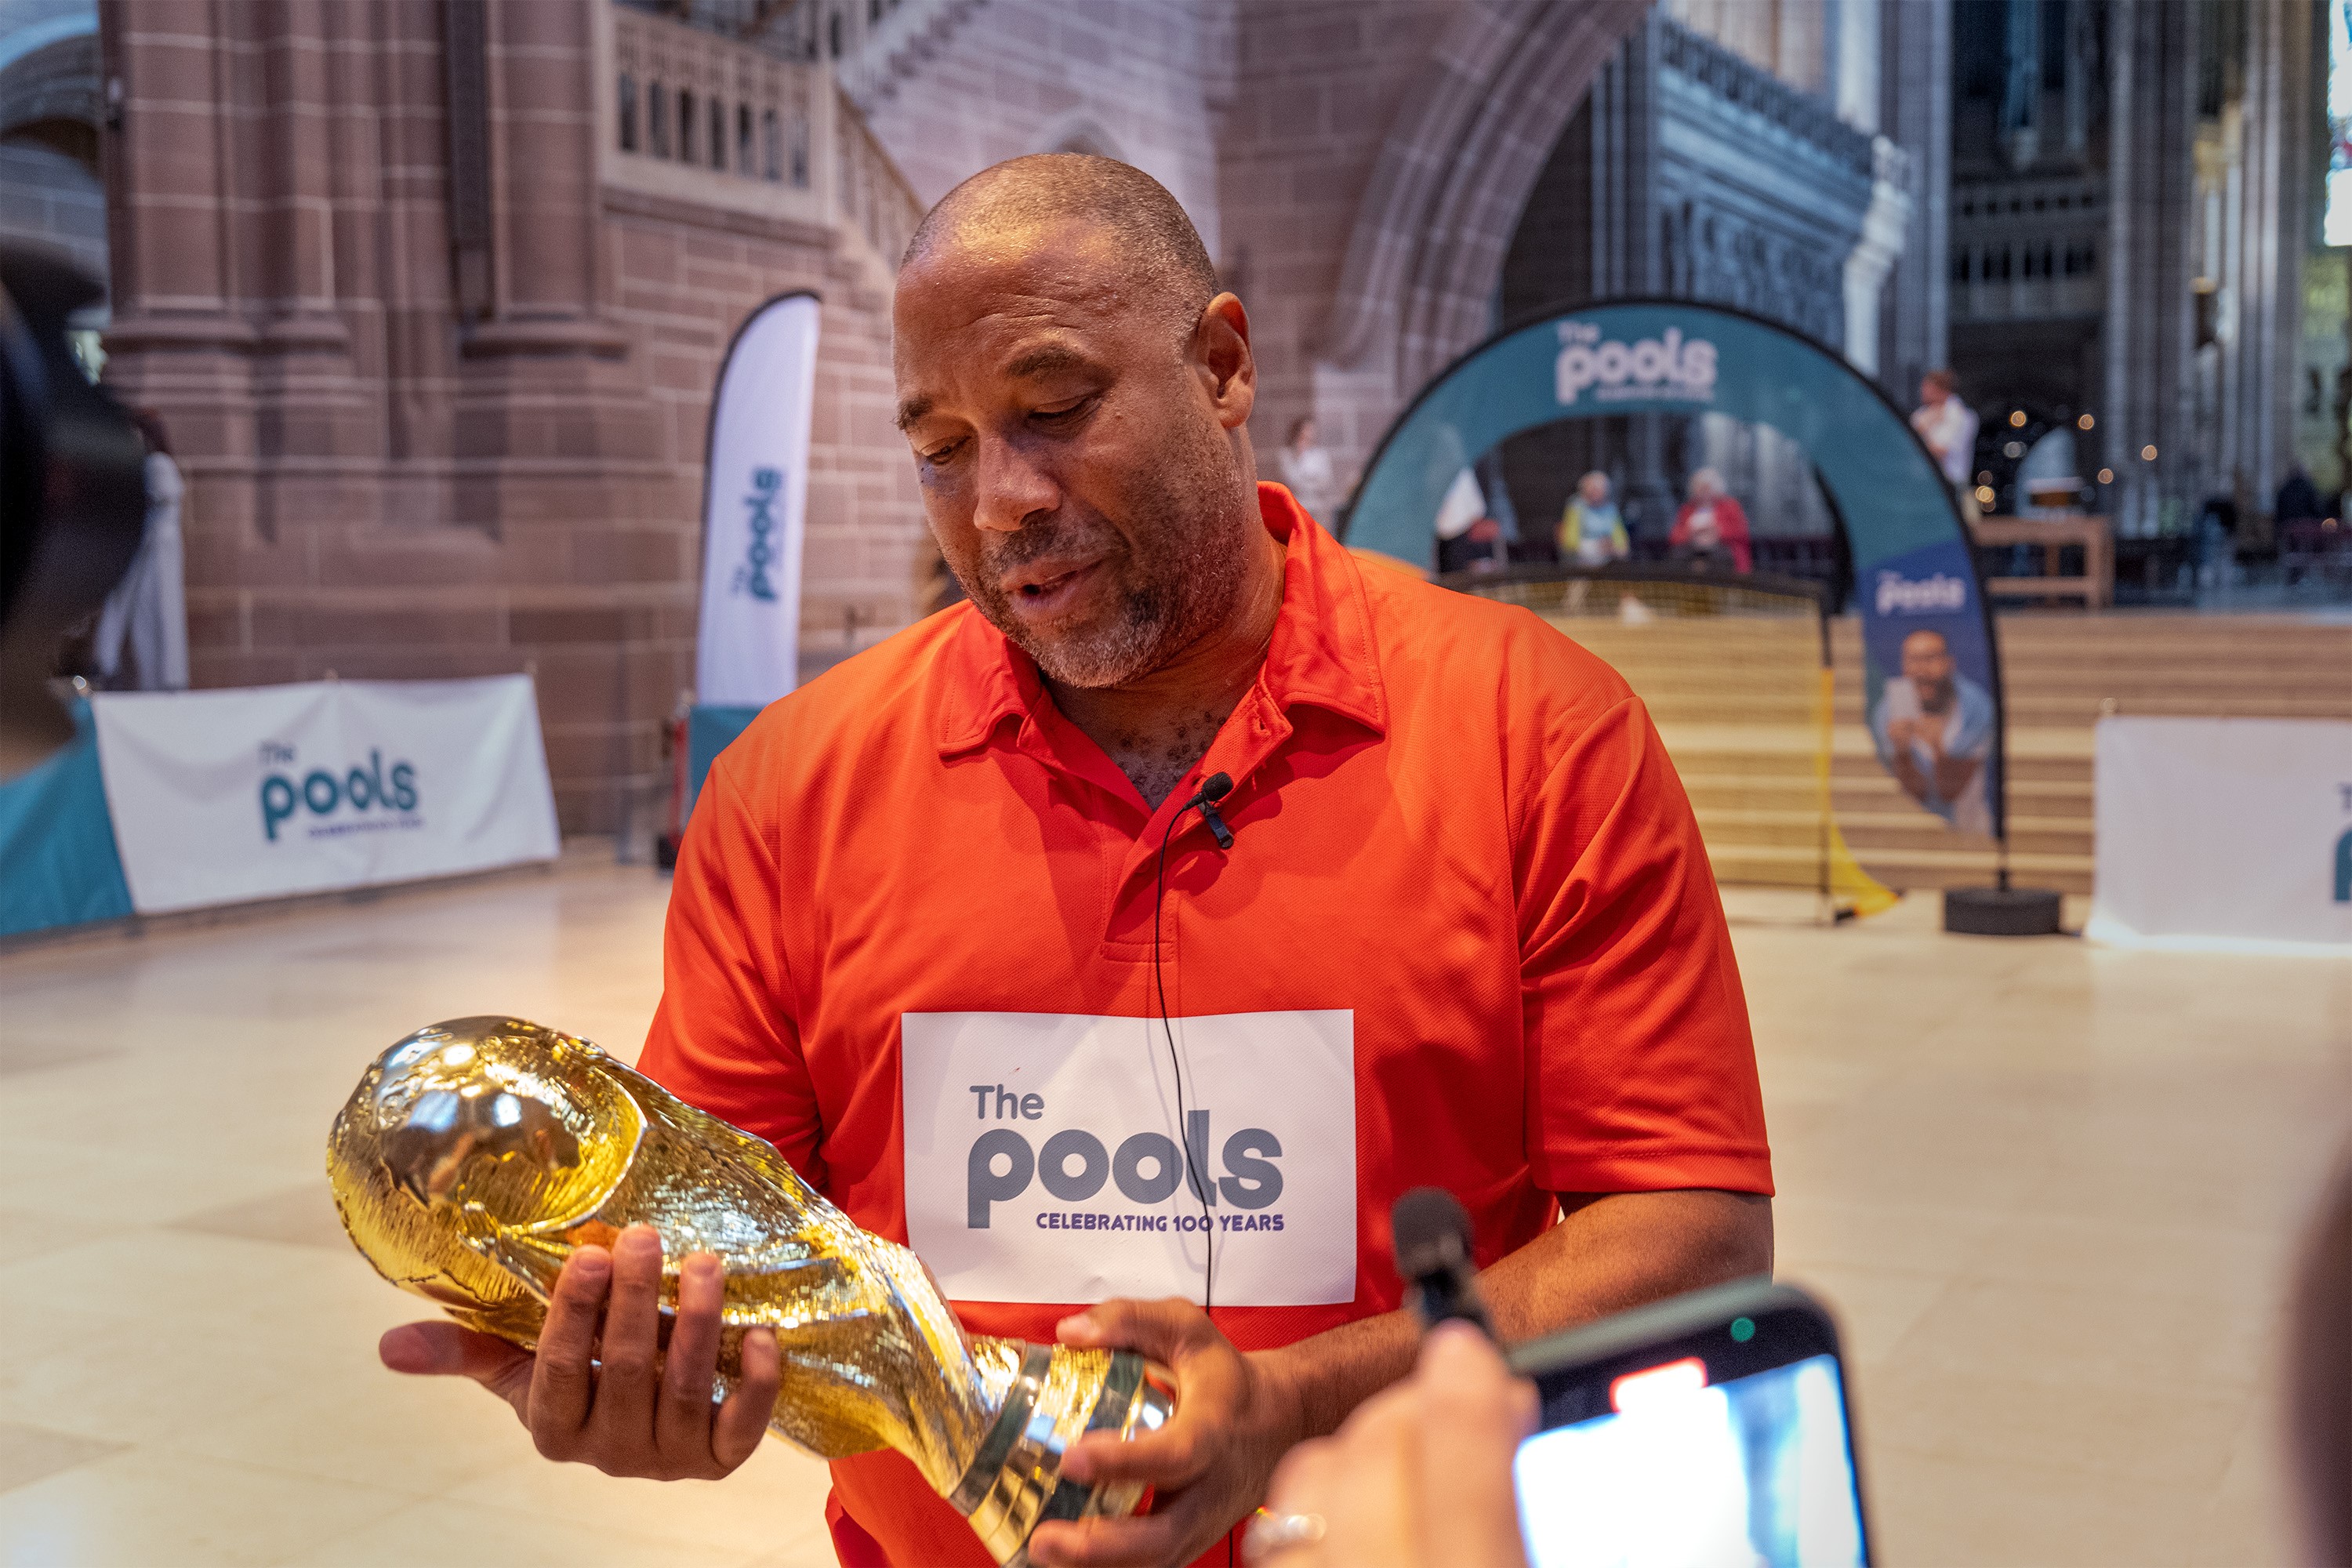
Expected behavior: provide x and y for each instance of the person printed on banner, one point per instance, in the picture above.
(1465, 933)
(1592, 531)
(148, 611)
(1711, 531)
(1307, 470)
(1947, 429)
(1934, 728)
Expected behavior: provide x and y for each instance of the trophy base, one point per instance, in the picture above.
(1014, 1483)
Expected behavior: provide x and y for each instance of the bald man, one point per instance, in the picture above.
(1133, 1062)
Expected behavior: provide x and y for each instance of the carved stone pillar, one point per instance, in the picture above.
(2150, 328)
(1916, 332)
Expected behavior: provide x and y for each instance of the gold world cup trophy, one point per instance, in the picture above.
(477, 1154)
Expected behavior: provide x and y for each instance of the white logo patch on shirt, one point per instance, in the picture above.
(1044, 1161)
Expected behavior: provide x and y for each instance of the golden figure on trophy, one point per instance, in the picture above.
(477, 1154)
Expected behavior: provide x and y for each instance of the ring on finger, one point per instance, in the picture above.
(1270, 1533)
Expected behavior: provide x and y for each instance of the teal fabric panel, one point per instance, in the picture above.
(709, 730)
(58, 863)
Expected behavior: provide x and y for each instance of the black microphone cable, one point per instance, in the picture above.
(1212, 790)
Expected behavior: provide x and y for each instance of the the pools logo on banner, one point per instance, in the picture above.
(377, 798)
(1929, 684)
(221, 797)
(1045, 1161)
(755, 502)
(1667, 367)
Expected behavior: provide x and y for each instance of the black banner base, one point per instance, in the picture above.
(2001, 911)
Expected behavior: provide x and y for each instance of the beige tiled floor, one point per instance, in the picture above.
(2053, 1190)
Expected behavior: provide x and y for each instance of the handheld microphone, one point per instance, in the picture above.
(1432, 1234)
(1213, 788)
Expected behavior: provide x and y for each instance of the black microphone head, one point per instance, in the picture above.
(1431, 1233)
(1216, 786)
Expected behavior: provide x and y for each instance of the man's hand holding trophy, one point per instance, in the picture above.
(530, 1185)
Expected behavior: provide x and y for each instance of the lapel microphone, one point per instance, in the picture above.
(1213, 788)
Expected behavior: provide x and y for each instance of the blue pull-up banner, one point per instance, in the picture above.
(1932, 665)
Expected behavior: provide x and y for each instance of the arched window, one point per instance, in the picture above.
(628, 112)
(684, 126)
(771, 135)
(743, 164)
(658, 119)
(718, 134)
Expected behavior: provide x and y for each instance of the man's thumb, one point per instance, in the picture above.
(445, 1349)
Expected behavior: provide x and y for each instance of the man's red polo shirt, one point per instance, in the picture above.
(1464, 871)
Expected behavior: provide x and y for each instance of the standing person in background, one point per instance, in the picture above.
(1711, 530)
(1591, 533)
(1306, 470)
(149, 608)
(1947, 427)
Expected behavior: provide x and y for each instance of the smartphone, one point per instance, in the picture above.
(1712, 1428)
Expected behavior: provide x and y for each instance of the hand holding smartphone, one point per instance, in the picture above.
(1712, 1428)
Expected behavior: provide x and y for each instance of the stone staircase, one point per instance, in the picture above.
(1743, 734)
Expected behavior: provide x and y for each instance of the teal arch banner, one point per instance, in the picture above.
(1932, 665)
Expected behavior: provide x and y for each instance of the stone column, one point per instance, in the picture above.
(1885, 228)
(540, 88)
(1625, 249)
(2150, 316)
(2274, 218)
(1917, 96)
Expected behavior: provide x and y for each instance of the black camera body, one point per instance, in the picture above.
(73, 496)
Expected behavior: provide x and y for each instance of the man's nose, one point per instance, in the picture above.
(1012, 488)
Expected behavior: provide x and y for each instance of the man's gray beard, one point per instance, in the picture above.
(1190, 586)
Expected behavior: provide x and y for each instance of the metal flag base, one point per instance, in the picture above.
(2001, 911)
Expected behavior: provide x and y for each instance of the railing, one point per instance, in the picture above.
(1752, 87)
(869, 44)
(692, 113)
(2028, 250)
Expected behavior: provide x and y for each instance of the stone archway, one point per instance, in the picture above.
(51, 114)
(49, 91)
(1426, 254)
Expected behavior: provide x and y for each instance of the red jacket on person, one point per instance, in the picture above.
(1730, 526)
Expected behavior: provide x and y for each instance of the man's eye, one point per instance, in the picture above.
(1065, 410)
(938, 455)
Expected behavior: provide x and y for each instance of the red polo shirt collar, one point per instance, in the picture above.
(1320, 655)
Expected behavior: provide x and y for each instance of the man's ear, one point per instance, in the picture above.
(1221, 356)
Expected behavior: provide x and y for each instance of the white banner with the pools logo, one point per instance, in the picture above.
(753, 506)
(2224, 833)
(1043, 1163)
(259, 793)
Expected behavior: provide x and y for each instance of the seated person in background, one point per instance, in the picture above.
(1591, 533)
(1711, 530)
(1934, 728)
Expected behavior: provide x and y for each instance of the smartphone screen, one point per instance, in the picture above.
(1754, 1470)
